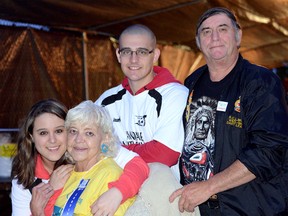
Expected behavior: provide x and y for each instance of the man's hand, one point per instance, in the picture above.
(196, 193)
(40, 196)
(107, 203)
(60, 176)
(191, 196)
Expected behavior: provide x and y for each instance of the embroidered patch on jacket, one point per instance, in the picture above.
(237, 105)
(236, 122)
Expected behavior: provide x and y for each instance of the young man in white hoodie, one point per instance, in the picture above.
(146, 110)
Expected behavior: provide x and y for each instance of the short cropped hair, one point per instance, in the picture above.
(88, 113)
(139, 29)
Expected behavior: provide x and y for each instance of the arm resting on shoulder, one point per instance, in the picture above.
(155, 151)
(134, 174)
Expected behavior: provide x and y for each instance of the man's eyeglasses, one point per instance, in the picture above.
(140, 52)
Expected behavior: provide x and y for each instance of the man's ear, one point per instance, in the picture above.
(118, 55)
(238, 37)
(156, 55)
(198, 43)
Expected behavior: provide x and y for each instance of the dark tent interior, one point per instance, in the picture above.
(72, 57)
(67, 51)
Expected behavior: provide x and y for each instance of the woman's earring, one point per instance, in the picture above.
(104, 148)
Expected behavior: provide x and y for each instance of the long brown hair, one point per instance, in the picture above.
(24, 162)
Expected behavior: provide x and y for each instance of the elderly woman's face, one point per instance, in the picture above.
(84, 144)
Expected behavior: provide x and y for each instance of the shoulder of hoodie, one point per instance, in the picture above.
(109, 92)
(173, 89)
(173, 93)
(169, 86)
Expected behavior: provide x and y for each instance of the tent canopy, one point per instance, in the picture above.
(264, 23)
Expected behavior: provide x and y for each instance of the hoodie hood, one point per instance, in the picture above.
(163, 76)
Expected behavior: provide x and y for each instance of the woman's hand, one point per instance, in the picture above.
(60, 176)
(40, 196)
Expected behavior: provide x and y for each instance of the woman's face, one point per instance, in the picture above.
(50, 138)
(84, 143)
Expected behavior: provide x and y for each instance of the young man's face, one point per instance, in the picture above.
(138, 68)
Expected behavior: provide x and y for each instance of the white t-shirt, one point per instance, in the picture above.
(21, 198)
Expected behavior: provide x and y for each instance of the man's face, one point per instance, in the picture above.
(138, 69)
(202, 127)
(218, 39)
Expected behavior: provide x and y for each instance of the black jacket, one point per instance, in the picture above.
(257, 136)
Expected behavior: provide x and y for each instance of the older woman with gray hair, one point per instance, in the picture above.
(92, 144)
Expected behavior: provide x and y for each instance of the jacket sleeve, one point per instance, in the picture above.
(266, 125)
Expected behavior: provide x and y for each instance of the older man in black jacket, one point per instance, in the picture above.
(237, 161)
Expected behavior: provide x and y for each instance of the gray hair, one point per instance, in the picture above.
(212, 12)
(88, 113)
